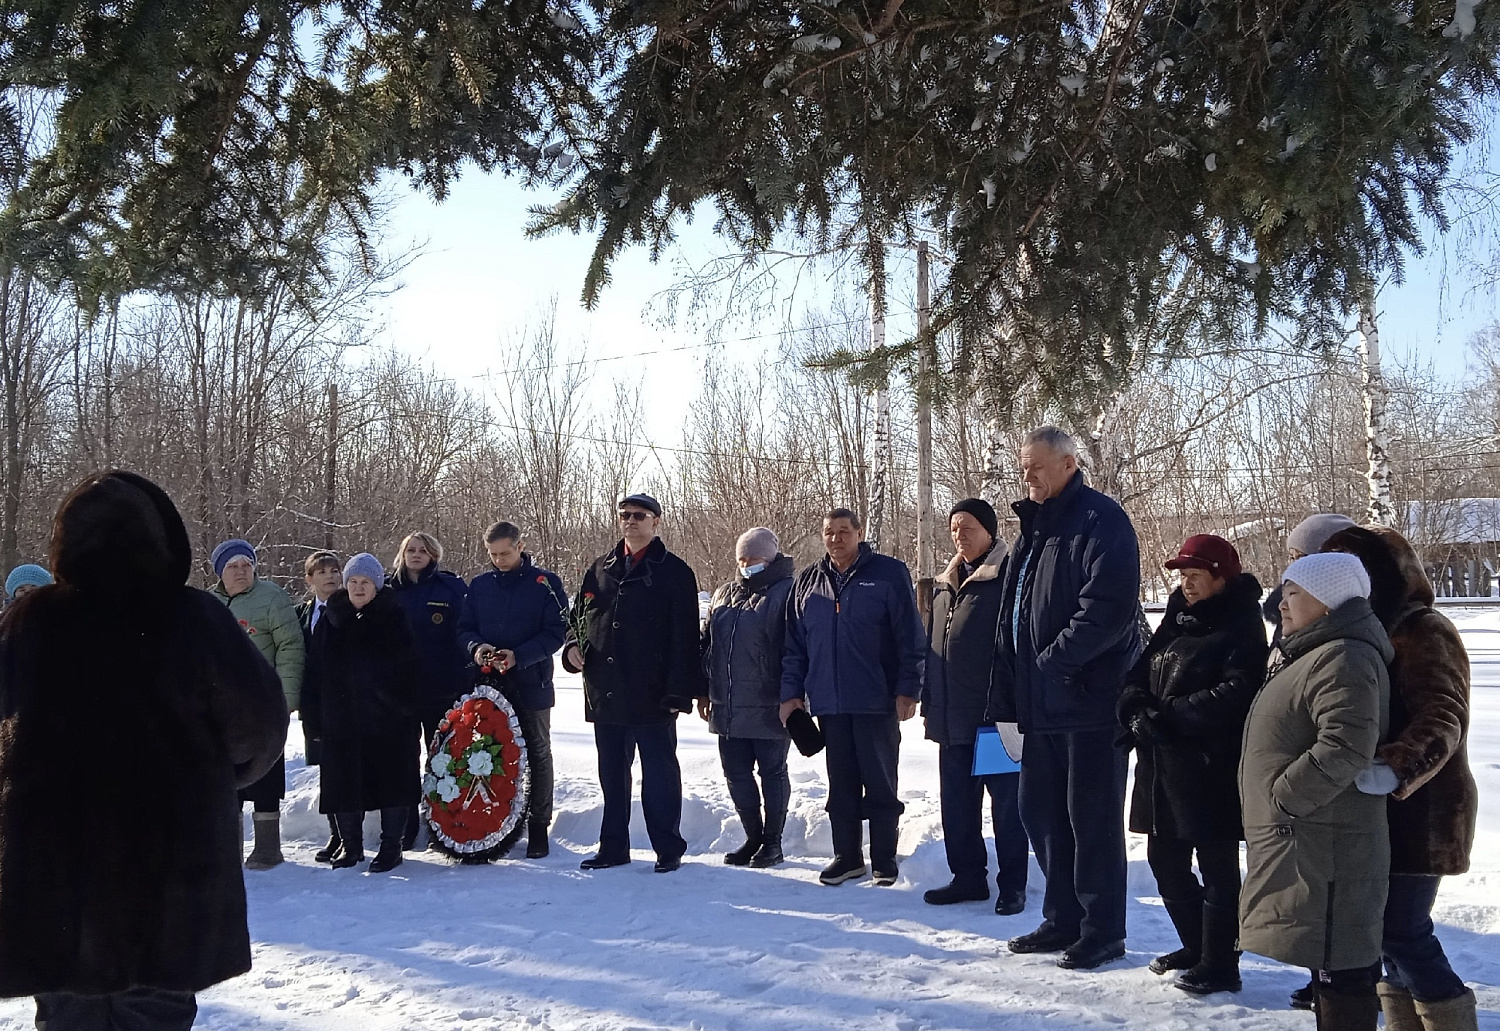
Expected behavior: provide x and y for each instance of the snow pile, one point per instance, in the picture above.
(540, 944)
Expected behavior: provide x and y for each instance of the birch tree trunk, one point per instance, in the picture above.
(884, 453)
(926, 519)
(1381, 511)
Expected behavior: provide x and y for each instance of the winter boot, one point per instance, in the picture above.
(769, 853)
(327, 852)
(392, 827)
(1187, 917)
(352, 841)
(883, 836)
(1302, 998)
(1450, 1014)
(267, 850)
(1339, 1012)
(413, 824)
(755, 832)
(1218, 969)
(1399, 1007)
(537, 846)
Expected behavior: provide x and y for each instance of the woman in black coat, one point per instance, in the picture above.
(361, 701)
(120, 881)
(1184, 708)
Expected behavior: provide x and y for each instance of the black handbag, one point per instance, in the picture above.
(806, 734)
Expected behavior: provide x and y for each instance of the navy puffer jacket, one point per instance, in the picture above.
(853, 649)
(522, 609)
(1077, 631)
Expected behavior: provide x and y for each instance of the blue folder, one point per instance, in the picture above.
(990, 755)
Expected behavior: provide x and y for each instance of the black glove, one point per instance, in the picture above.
(1148, 728)
(677, 703)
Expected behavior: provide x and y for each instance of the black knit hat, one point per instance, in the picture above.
(980, 510)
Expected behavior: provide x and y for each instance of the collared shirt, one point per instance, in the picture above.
(317, 614)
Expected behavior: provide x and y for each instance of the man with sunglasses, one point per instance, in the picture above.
(635, 639)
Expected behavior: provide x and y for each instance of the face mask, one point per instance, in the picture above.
(748, 571)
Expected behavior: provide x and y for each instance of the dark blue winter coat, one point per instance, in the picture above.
(853, 650)
(522, 609)
(1077, 571)
(432, 600)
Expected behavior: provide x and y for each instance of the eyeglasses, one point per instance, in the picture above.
(626, 517)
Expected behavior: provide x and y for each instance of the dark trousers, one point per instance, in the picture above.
(661, 787)
(862, 750)
(1414, 958)
(740, 756)
(1073, 805)
(139, 1009)
(539, 758)
(1171, 861)
(963, 821)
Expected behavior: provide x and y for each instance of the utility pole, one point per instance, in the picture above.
(926, 529)
(331, 466)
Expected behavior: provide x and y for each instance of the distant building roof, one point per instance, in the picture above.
(1457, 521)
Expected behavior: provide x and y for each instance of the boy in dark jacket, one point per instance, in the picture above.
(324, 574)
(638, 606)
(514, 618)
(854, 656)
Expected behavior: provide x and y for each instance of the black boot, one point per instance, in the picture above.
(392, 826)
(883, 836)
(537, 846)
(1187, 917)
(413, 824)
(351, 841)
(1218, 970)
(769, 853)
(326, 853)
(755, 832)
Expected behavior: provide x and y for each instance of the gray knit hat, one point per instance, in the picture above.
(757, 542)
(365, 564)
(1312, 533)
(1332, 577)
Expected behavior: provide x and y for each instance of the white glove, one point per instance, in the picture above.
(1011, 738)
(1377, 779)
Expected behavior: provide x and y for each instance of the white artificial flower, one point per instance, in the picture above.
(440, 764)
(481, 763)
(447, 789)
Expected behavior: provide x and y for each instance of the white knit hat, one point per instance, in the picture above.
(1332, 577)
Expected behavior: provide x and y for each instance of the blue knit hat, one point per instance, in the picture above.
(365, 564)
(29, 575)
(232, 548)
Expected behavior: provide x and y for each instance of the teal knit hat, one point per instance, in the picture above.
(28, 575)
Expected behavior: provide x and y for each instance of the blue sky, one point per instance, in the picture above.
(479, 279)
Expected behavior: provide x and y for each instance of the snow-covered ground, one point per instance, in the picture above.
(522, 944)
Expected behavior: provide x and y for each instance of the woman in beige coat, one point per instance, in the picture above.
(1318, 849)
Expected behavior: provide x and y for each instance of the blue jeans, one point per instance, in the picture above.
(1414, 958)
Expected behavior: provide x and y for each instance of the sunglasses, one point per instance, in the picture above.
(626, 517)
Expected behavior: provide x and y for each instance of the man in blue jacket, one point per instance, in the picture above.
(514, 620)
(854, 656)
(1069, 633)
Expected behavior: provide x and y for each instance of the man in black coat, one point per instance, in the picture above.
(121, 894)
(1183, 709)
(638, 606)
(1070, 629)
(962, 622)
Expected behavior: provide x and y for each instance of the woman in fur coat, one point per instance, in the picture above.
(1433, 801)
(132, 708)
